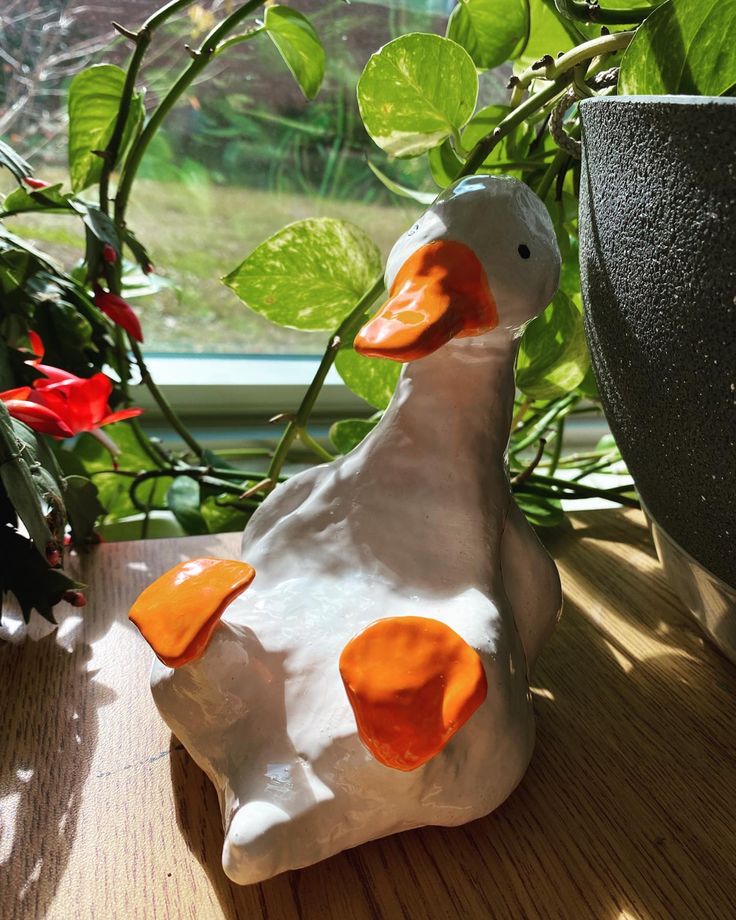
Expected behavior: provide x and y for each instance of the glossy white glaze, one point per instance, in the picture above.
(418, 520)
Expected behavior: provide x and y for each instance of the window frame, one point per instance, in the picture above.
(248, 388)
(228, 399)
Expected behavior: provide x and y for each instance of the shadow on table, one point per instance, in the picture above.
(626, 809)
(636, 729)
(50, 720)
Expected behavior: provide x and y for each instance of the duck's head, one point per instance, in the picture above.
(483, 259)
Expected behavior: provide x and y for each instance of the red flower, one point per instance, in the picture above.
(109, 254)
(119, 311)
(38, 351)
(38, 417)
(82, 402)
(37, 347)
(35, 183)
(62, 404)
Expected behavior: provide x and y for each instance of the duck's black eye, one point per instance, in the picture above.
(524, 251)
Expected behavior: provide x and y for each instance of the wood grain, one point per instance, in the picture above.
(627, 811)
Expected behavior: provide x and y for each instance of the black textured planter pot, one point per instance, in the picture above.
(658, 272)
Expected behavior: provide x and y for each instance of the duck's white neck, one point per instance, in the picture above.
(421, 503)
(427, 489)
(453, 406)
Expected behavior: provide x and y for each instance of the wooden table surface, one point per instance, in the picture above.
(627, 811)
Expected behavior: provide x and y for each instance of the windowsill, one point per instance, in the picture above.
(227, 400)
(249, 388)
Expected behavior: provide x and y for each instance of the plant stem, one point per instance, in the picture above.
(345, 332)
(183, 470)
(142, 41)
(554, 68)
(522, 477)
(239, 39)
(163, 404)
(200, 60)
(587, 456)
(592, 12)
(557, 446)
(486, 144)
(244, 452)
(196, 473)
(306, 438)
(520, 413)
(539, 426)
(124, 364)
(548, 178)
(112, 150)
(578, 486)
(550, 488)
(602, 464)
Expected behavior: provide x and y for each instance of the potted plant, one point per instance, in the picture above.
(62, 486)
(657, 243)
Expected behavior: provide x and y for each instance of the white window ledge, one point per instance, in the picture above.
(226, 399)
(246, 387)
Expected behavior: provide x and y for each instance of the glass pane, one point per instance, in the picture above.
(241, 155)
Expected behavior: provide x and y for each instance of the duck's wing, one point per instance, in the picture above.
(531, 582)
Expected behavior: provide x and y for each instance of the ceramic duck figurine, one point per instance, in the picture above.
(374, 676)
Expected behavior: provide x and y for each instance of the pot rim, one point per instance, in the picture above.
(674, 100)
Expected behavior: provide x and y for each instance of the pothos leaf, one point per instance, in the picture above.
(549, 33)
(539, 510)
(416, 91)
(373, 379)
(684, 46)
(553, 356)
(349, 432)
(444, 164)
(401, 190)
(184, 499)
(491, 31)
(309, 275)
(299, 46)
(221, 515)
(94, 100)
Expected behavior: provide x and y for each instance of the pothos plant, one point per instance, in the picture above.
(70, 343)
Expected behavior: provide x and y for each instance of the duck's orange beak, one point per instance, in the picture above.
(440, 292)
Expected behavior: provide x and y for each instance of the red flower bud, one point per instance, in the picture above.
(35, 184)
(119, 311)
(53, 555)
(75, 598)
(109, 254)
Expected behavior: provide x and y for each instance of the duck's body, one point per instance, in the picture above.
(417, 521)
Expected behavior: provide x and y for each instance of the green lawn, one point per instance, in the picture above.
(199, 232)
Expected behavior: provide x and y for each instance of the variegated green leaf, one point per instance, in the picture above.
(309, 275)
(373, 379)
(416, 91)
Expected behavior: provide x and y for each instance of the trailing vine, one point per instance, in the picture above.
(316, 274)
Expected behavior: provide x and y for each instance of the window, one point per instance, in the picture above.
(241, 155)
